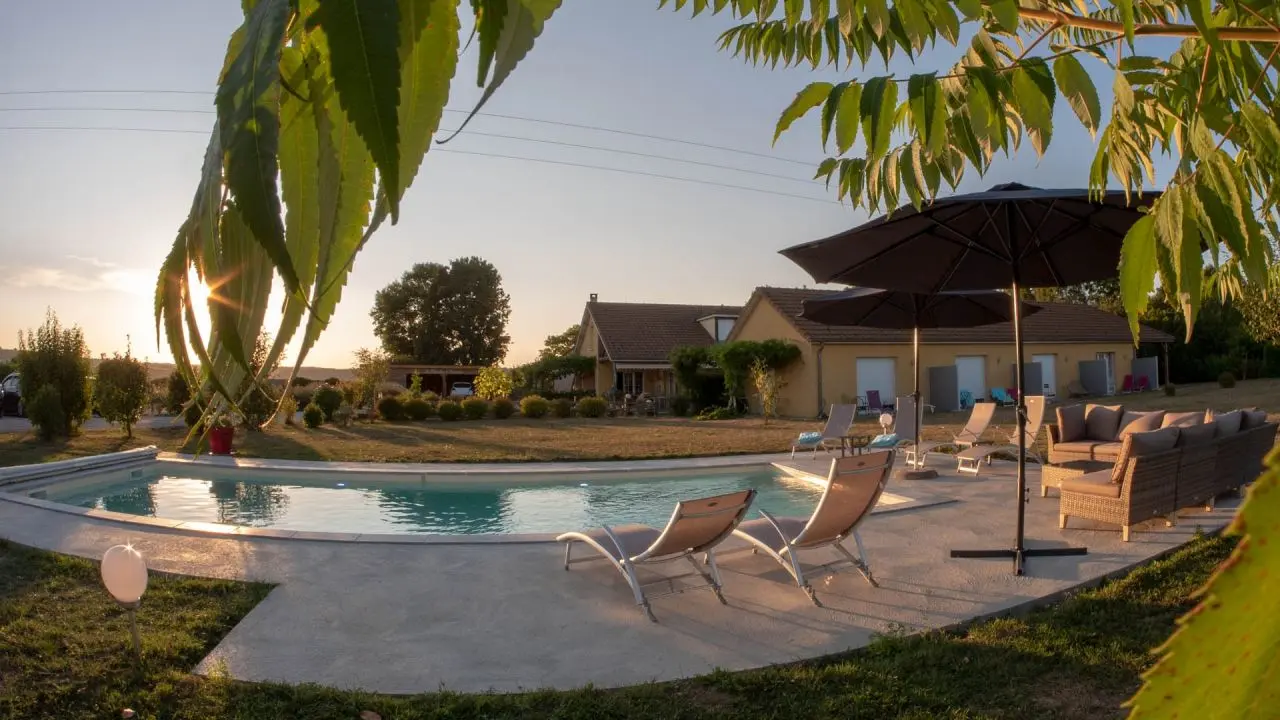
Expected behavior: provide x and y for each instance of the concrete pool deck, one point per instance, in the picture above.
(476, 617)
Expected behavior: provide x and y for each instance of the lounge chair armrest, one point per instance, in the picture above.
(622, 552)
(774, 522)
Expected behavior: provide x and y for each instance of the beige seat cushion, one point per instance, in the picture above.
(1183, 419)
(1071, 423)
(1143, 443)
(1094, 483)
(1132, 421)
(1102, 422)
(1108, 451)
(1227, 423)
(1076, 446)
(1192, 435)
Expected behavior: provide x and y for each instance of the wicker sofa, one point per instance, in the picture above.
(1159, 472)
(1098, 431)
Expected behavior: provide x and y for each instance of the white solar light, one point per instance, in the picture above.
(124, 573)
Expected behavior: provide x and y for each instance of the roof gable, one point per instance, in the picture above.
(648, 332)
(1056, 323)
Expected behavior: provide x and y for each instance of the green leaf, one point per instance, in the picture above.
(845, 14)
(794, 9)
(805, 100)
(924, 100)
(1263, 132)
(972, 9)
(847, 117)
(248, 104)
(878, 16)
(1033, 90)
(1005, 13)
(1126, 17)
(985, 120)
(829, 111)
(1190, 269)
(1138, 269)
(428, 59)
(825, 168)
(1077, 87)
(914, 22)
(521, 28)
(1223, 662)
(879, 102)
(1124, 94)
(945, 20)
(489, 22)
(363, 37)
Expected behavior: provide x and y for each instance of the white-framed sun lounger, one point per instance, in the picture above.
(969, 435)
(970, 461)
(839, 421)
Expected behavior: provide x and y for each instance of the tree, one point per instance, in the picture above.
(178, 392)
(438, 315)
(767, 385)
(562, 345)
(54, 364)
(121, 390)
(1104, 295)
(372, 368)
(1259, 305)
(492, 383)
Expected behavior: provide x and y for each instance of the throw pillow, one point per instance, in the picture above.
(1132, 421)
(1253, 418)
(1071, 423)
(1102, 422)
(1183, 419)
(809, 438)
(1199, 434)
(1227, 423)
(1143, 443)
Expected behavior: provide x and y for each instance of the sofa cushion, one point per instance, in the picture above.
(1227, 423)
(1077, 447)
(1183, 419)
(1102, 422)
(1094, 483)
(1071, 423)
(1253, 418)
(1143, 443)
(1132, 421)
(1192, 435)
(1107, 451)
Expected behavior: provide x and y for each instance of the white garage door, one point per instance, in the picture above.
(1048, 372)
(877, 374)
(971, 375)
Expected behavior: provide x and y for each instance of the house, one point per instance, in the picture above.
(631, 342)
(1068, 343)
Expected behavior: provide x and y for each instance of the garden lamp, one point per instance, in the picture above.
(886, 421)
(124, 573)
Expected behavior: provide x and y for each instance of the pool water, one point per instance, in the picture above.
(454, 508)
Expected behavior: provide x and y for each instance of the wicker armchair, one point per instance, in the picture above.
(1147, 488)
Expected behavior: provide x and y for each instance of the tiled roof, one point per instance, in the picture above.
(647, 333)
(1057, 322)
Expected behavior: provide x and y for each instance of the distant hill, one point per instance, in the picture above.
(160, 370)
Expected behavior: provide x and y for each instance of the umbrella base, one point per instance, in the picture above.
(1019, 555)
(925, 474)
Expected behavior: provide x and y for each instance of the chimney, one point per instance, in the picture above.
(594, 297)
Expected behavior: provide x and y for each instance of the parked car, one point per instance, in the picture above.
(461, 390)
(11, 396)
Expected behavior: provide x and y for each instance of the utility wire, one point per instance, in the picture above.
(521, 118)
(565, 163)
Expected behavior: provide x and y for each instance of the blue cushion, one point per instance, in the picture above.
(884, 441)
(809, 438)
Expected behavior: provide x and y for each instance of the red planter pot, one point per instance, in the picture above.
(220, 440)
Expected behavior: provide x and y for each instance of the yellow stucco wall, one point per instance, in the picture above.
(800, 397)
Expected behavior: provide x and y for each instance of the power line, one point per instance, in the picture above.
(521, 118)
(565, 163)
(479, 133)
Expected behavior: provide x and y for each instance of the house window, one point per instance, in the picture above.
(724, 325)
(630, 382)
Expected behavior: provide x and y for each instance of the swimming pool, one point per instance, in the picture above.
(341, 503)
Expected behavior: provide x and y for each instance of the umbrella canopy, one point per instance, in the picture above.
(981, 241)
(895, 310)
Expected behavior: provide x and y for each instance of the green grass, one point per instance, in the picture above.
(63, 655)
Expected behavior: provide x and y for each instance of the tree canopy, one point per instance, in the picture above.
(560, 345)
(445, 315)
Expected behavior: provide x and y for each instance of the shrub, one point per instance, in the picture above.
(288, 408)
(390, 408)
(6, 367)
(717, 413)
(332, 381)
(372, 367)
(328, 398)
(121, 391)
(534, 406)
(680, 405)
(475, 408)
(417, 409)
(1227, 380)
(179, 392)
(449, 411)
(343, 415)
(302, 381)
(561, 408)
(503, 408)
(492, 383)
(430, 397)
(592, 407)
(191, 414)
(350, 392)
(52, 355)
(303, 396)
(313, 415)
(1170, 389)
(45, 412)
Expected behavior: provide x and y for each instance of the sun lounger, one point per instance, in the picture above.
(970, 461)
(696, 526)
(853, 488)
(968, 436)
(839, 420)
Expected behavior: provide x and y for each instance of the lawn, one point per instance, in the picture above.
(516, 440)
(63, 654)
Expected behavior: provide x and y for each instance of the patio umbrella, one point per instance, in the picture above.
(1011, 236)
(895, 310)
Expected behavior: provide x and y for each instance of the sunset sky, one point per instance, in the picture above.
(89, 214)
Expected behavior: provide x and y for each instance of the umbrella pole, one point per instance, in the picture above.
(918, 471)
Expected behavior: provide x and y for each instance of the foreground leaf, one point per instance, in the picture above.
(805, 100)
(1077, 87)
(1138, 269)
(428, 59)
